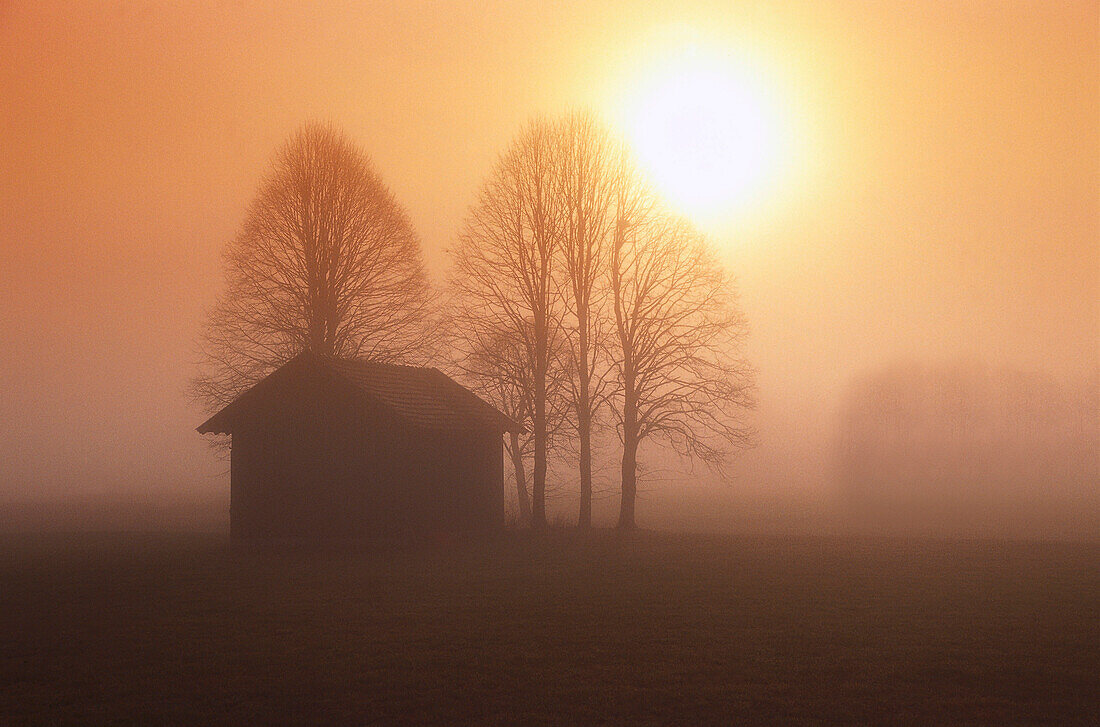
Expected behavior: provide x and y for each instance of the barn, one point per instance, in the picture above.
(338, 448)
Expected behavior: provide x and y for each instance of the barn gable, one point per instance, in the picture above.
(421, 397)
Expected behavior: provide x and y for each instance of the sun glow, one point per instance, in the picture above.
(706, 131)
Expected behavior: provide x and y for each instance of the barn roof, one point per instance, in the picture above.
(424, 397)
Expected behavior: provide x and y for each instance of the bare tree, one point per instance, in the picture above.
(586, 172)
(677, 332)
(498, 368)
(503, 278)
(327, 261)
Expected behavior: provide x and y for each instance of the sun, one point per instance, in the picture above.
(706, 132)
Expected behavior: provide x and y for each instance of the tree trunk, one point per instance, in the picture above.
(630, 460)
(584, 424)
(521, 480)
(584, 519)
(629, 482)
(538, 484)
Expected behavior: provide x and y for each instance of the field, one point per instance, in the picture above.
(658, 628)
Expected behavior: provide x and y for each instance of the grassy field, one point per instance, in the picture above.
(659, 629)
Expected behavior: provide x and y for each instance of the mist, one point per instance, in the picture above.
(939, 235)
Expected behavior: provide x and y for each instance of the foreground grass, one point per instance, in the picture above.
(658, 629)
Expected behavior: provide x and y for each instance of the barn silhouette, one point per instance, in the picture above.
(339, 448)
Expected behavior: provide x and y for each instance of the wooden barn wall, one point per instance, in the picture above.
(316, 461)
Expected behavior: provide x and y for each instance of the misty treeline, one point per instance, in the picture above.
(979, 442)
(577, 302)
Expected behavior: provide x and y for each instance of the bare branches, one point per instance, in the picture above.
(504, 281)
(574, 287)
(585, 174)
(678, 337)
(326, 261)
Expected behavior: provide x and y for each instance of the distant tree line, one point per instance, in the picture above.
(577, 302)
(967, 435)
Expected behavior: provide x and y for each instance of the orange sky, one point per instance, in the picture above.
(945, 202)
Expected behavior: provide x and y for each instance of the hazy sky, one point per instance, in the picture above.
(941, 198)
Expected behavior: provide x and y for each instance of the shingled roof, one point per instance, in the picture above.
(424, 397)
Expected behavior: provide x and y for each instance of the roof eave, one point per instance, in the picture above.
(209, 427)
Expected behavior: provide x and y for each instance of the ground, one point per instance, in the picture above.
(659, 628)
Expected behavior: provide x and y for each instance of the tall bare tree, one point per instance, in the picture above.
(678, 332)
(588, 167)
(496, 364)
(503, 277)
(327, 261)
